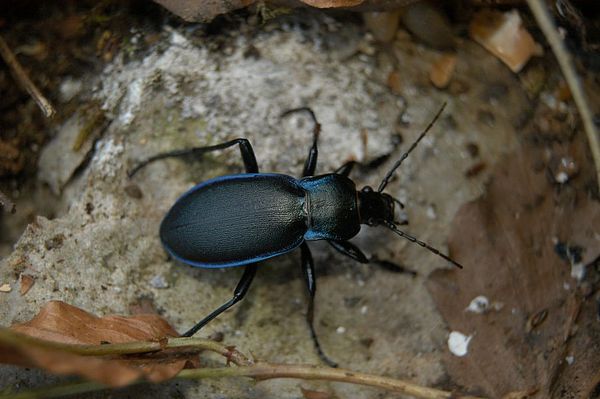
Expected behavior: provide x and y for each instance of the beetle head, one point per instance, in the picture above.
(375, 207)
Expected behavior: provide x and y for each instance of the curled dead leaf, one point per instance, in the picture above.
(26, 283)
(26, 345)
(206, 10)
(503, 35)
(332, 3)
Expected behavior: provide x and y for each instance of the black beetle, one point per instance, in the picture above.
(242, 219)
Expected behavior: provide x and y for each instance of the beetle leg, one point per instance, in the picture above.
(246, 150)
(352, 251)
(349, 249)
(238, 294)
(346, 168)
(310, 165)
(308, 269)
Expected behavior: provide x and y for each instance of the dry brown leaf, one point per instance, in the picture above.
(60, 322)
(332, 3)
(26, 283)
(442, 70)
(206, 10)
(503, 35)
(312, 394)
(541, 333)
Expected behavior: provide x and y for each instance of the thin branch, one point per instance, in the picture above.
(245, 367)
(259, 372)
(265, 371)
(128, 348)
(21, 76)
(546, 23)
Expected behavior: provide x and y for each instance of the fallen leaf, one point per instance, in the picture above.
(206, 10)
(5, 288)
(503, 35)
(311, 394)
(26, 283)
(332, 3)
(383, 25)
(63, 323)
(442, 70)
(546, 336)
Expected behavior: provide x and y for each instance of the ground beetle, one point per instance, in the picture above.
(243, 219)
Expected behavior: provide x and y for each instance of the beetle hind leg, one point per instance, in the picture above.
(308, 269)
(238, 294)
(250, 164)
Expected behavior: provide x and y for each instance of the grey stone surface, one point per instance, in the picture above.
(102, 251)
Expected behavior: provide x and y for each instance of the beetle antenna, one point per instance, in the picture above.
(410, 238)
(397, 201)
(389, 174)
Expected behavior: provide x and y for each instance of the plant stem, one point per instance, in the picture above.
(21, 76)
(546, 23)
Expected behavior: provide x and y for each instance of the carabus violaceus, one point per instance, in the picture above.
(243, 219)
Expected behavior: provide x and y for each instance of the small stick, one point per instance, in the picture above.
(544, 20)
(244, 367)
(259, 372)
(21, 77)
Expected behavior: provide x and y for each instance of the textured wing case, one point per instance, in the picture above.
(235, 220)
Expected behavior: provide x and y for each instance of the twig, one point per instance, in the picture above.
(6, 203)
(246, 367)
(546, 23)
(198, 344)
(21, 77)
(259, 372)
(265, 371)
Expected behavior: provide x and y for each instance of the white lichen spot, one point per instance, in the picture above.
(340, 330)
(431, 213)
(105, 159)
(458, 343)
(69, 88)
(578, 271)
(561, 177)
(364, 309)
(570, 360)
(159, 281)
(131, 101)
(178, 39)
(479, 304)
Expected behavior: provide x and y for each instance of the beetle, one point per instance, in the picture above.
(240, 220)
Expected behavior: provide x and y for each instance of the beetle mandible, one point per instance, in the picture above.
(243, 219)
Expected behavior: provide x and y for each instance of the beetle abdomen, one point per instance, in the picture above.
(235, 220)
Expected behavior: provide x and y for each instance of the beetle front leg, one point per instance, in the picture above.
(308, 269)
(352, 251)
(250, 164)
(346, 168)
(240, 291)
